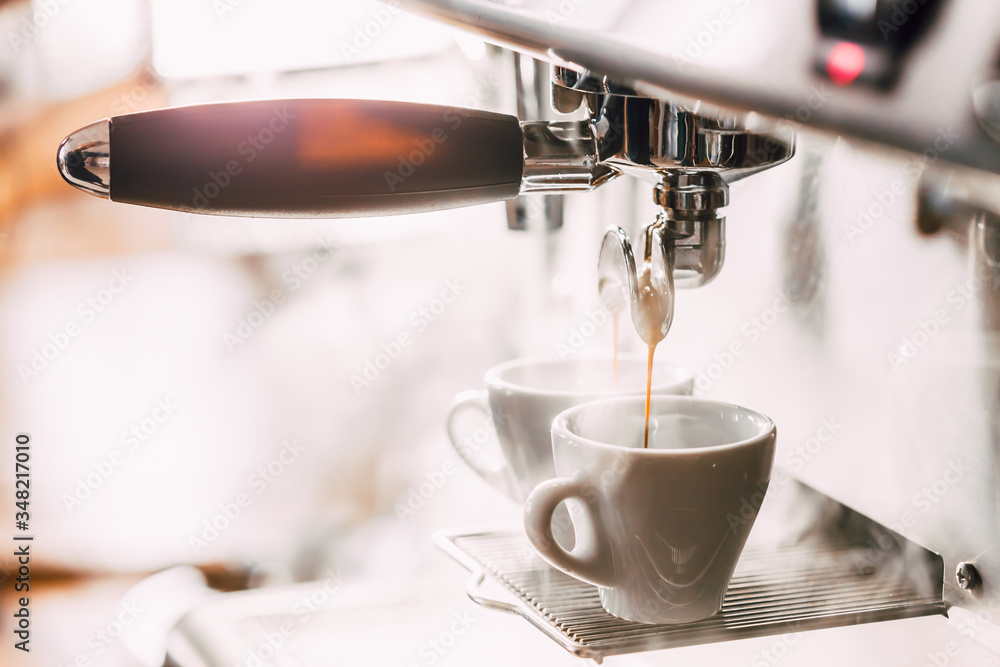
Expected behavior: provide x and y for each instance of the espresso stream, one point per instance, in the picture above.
(651, 312)
(651, 300)
(614, 360)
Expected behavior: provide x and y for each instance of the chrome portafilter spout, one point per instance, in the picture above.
(692, 226)
(684, 247)
(645, 290)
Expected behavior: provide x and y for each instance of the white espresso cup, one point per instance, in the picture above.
(523, 396)
(660, 528)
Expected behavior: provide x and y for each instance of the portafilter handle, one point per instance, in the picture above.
(300, 158)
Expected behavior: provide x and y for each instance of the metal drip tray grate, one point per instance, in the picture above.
(785, 588)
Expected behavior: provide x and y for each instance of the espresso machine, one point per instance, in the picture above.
(864, 321)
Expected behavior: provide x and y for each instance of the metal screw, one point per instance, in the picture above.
(967, 576)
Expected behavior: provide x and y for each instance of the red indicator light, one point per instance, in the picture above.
(845, 62)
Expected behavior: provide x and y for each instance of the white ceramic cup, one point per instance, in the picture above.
(523, 396)
(661, 529)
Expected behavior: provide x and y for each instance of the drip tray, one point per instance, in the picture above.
(821, 582)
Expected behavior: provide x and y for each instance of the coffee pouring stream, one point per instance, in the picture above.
(646, 290)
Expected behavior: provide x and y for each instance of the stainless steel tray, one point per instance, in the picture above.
(822, 582)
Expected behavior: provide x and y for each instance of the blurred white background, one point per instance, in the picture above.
(195, 387)
(172, 367)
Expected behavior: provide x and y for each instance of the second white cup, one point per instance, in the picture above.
(523, 396)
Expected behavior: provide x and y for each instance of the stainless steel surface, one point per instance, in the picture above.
(691, 159)
(561, 157)
(779, 589)
(692, 195)
(656, 140)
(896, 341)
(803, 242)
(588, 82)
(699, 250)
(861, 310)
(84, 158)
(692, 226)
(685, 247)
(533, 94)
(648, 137)
(617, 284)
(767, 67)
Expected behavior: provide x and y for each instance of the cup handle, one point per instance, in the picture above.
(595, 567)
(475, 400)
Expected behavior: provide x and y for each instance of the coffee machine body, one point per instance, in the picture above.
(860, 301)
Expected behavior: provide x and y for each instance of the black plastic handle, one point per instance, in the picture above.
(314, 158)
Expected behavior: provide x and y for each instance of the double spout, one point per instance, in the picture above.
(684, 247)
